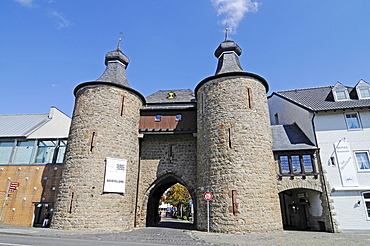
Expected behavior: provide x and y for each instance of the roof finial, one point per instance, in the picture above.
(226, 34)
(119, 41)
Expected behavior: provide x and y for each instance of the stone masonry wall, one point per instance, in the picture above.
(159, 160)
(105, 124)
(235, 160)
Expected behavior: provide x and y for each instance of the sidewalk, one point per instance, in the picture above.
(163, 235)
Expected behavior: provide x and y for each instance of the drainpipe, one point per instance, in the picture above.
(323, 180)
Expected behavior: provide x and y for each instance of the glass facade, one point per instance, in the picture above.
(32, 152)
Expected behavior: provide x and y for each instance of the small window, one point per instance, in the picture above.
(296, 164)
(307, 163)
(5, 151)
(178, 117)
(366, 196)
(158, 117)
(364, 93)
(276, 119)
(362, 159)
(284, 163)
(341, 95)
(353, 121)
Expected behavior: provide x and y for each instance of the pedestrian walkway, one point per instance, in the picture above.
(172, 236)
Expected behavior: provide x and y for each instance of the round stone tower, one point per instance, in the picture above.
(234, 156)
(98, 187)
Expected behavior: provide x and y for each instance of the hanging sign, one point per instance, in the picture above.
(346, 164)
(115, 175)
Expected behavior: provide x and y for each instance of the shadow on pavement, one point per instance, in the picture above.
(176, 224)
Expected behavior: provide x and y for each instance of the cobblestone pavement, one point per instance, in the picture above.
(172, 236)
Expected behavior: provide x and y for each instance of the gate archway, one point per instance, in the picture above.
(156, 191)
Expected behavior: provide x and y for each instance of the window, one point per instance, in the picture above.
(353, 121)
(26, 152)
(61, 151)
(284, 164)
(296, 164)
(5, 151)
(362, 159)
(23, 152)
(364, 93)
(341, 95)
(367, 203)
(178, 117)
(307, 163)
(158, 117)
(45, 152)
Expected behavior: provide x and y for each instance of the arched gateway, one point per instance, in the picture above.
(125, 150)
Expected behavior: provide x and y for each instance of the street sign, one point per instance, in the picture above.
(207, 196)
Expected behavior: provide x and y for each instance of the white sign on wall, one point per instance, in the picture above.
(115, 175)
(346, 165)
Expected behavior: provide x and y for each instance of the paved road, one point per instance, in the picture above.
(10, 235)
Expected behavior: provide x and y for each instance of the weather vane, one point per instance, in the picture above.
(119, 40)
(226, 34)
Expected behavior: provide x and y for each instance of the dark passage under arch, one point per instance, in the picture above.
(159, 187)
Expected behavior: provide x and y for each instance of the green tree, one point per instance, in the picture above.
(178, 196)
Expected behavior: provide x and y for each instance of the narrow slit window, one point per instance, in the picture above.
(92, 142)
(229, 133)
(171, 153)
(249, 97)
(234, 203)
(122, 109)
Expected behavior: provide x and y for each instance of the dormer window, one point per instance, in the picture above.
(364, 93)
(158, 117)
(363, 90)
(341, 95)
(340, 92)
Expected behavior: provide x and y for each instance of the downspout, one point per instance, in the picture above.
(323, 180)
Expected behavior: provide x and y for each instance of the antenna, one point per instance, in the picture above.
(226, 34)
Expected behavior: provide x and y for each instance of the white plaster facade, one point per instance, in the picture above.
(326, 128)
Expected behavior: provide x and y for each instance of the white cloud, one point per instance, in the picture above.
(27, 3)
(60, 20)
(233, 11)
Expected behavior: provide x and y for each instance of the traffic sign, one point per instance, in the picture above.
(207, 196)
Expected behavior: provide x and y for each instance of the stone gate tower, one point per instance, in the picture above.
(104, 128)
(234, 149)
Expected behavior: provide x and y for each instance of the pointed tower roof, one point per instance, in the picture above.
(228, 53)
(115, 71)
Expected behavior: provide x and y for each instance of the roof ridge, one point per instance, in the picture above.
(310, 88)
(22, 114)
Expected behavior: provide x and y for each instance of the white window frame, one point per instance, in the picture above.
(366, 200)
(358, 119)
(368, 157)
(360, 95)
(346, 94)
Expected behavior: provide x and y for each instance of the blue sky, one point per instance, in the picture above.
(48, 47)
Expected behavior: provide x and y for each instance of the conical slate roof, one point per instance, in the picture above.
(115, 71)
